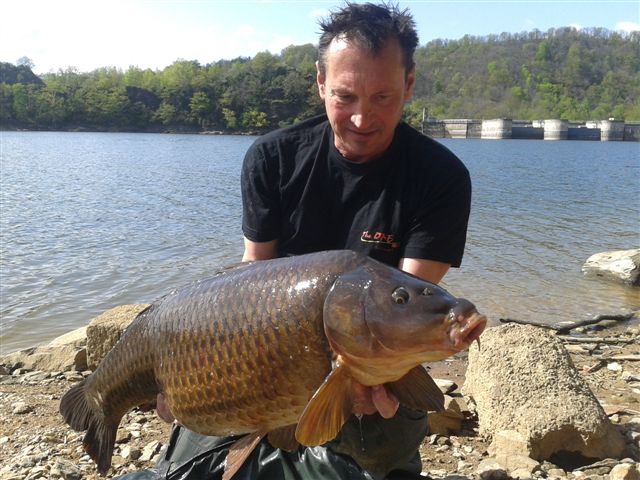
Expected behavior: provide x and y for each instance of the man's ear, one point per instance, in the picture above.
(320, 79)
(410, 83)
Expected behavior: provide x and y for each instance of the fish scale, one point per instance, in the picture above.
(240, 362)
(250, 350)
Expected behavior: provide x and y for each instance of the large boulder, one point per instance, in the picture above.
(62, 354)
(59, 358)
(525, 386)
(76, 338)
(619, 265)
(104, 331)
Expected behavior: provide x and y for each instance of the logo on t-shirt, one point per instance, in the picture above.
(384, 241)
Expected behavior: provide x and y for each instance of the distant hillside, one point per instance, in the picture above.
(562, 73)
(11, 74)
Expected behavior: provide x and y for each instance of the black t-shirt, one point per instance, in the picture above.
(413, 202)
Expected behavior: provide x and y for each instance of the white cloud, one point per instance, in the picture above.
(627, 26)
(577, 26)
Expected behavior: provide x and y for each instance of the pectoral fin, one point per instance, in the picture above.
(417, 390)
(239, 452)
(284, 438)
(327, 411)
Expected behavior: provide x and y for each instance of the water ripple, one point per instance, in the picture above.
(92, 221)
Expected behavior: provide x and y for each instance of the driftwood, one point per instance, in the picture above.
(606, 340)
(566, 328)
(605, 360)
(626, 358)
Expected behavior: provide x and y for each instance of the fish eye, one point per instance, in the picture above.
(400, 296)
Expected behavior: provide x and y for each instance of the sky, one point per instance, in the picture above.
(90, 34)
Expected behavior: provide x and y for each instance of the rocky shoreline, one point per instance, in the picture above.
(36, 444)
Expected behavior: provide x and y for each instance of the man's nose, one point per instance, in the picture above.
(361, 115)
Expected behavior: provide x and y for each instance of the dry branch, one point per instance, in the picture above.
(566, 328)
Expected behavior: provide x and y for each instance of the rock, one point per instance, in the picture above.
(625, 471)
(76, 338)
(445, 423)
(35, 377)
(66, 470)
(21, 408)
(73, 376)
(614, 367)
(446, 386)
(556, 473)
(449, 421)
(619, 265)
(509, 442)
(104, 331)
(490, 469)
(47, 358)
(149, 451)
(522, 464)
(122, 436)
(130, 453)
(523, 379)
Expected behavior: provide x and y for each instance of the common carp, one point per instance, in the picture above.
(270, 348)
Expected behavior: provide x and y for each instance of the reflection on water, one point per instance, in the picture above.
(540, 209)
(92, 221)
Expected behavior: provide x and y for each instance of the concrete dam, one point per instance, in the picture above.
(506, 128)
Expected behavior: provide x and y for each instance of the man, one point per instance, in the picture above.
(357, 178)
(360, 179)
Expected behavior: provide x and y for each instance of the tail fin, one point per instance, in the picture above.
(101, 432)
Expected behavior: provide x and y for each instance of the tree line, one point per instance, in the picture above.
(562, 73)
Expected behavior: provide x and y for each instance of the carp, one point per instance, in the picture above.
(269, 348)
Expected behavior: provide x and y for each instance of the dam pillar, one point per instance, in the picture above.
(611, 130)
(497, 129)
(556, 129)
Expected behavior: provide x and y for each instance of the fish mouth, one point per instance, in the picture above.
(470, 327)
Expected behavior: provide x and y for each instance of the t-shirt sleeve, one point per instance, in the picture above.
(260, 198)
(438, 230)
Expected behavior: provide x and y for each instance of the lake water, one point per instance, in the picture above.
(90, 221)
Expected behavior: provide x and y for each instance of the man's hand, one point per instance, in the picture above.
(369, 400)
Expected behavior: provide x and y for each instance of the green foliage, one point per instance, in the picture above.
(563, 73)
(253, 119)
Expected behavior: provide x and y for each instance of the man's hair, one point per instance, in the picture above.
(371, 27)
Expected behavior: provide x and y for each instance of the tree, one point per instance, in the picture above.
(200, 107)
(166, 113)
(230, 118)
(25, 62)
(254, 120)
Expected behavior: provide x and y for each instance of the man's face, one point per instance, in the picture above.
(364, 96)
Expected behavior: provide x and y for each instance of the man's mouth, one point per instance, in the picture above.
(362, 134)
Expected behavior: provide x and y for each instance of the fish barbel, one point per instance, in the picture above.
(252, 350)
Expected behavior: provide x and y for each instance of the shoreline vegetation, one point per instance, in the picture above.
(578, 75)
(35, 442)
